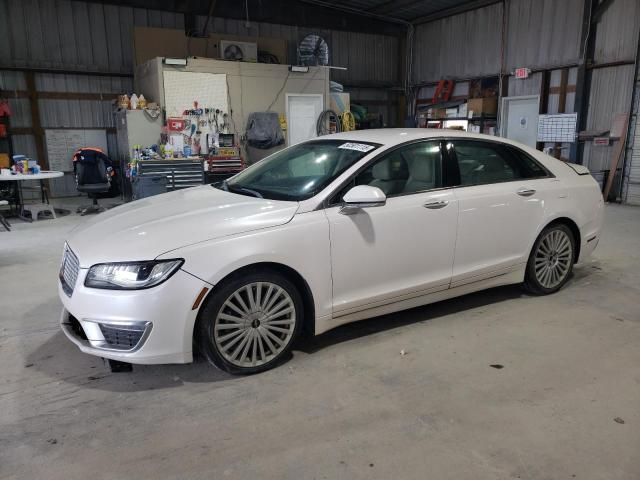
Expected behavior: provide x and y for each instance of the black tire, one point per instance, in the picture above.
(216, 304)
(532, 282)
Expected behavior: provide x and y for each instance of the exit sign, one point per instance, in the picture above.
(522, 72)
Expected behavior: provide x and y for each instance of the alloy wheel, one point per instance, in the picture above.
(553, 258)
(255, 324)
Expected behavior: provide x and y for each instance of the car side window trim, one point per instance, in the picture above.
(331, 201)
(503, 149)
(513, 150)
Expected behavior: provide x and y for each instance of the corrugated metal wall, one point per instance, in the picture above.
(543, 33)
(64, 34)
(616, 32)
(62, 113)
(462, 46)
(611, 88)
(79, 36)
(540, 35)
(632, 172)
(369, 59)
(74, 36)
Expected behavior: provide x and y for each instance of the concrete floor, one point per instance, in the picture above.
(348, 405)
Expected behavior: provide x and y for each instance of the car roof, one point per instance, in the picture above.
(395, 136)
(390, 137)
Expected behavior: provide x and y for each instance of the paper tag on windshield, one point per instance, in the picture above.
(360, 147)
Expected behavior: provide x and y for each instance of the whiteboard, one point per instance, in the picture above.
(181, 89)
(303, 111)
(557, 128)
(63, 143)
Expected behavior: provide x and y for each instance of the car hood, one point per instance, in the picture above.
(146, 228)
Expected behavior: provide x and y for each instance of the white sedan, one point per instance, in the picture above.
(326, 232)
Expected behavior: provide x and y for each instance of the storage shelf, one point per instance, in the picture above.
(442, 119)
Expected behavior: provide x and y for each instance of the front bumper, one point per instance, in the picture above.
(135, 326)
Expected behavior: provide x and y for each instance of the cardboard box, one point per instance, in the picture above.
(452, 112)
(482, 106)
(340, 102)
(437, 113)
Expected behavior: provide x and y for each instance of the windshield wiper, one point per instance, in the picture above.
(235, 189)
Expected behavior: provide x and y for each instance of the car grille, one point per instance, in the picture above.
(69, 270)
(121, 337)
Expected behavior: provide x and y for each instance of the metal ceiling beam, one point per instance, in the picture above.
(392, 5)
(449, 12)
(355, 11)
(600, 9)
(212, 7)
(309, 14)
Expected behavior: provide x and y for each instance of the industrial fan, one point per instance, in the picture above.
(313, 50)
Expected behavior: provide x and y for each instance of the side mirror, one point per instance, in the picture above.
(362, 196)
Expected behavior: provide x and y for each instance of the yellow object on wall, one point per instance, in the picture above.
(4, 160)
(348, 121)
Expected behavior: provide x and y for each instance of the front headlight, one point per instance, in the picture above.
(131, 275)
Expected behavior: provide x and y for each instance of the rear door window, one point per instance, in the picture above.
(483, 163)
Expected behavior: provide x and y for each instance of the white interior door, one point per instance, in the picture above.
(303, 111)
(519, 119)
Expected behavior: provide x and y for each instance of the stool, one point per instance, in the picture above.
(37, 208)
(3, 221)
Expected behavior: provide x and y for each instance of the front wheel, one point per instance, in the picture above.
(250, 322)
(551, 260)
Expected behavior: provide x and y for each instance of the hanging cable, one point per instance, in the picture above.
(326, 120)
(348, 121)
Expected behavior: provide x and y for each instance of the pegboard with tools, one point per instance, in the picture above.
(182, 88)
(203, 129)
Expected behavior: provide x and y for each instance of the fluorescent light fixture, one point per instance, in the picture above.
(176, 61)
(298, 68)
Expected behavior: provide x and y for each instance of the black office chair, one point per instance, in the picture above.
(3, 221)
(93, 177)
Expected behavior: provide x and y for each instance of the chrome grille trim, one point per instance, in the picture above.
(69, 270)
(126, 337)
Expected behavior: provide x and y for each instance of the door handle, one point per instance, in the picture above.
(436, 204)
(526, 192)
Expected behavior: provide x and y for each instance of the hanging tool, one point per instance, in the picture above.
(225, 123)
(443, 91)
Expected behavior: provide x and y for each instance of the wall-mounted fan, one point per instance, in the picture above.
(233, 52)
(313, 50)
(239, 51)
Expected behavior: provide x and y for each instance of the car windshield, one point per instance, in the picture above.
(298, 172)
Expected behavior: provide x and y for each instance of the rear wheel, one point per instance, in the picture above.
(551, 260)
(251, 322)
